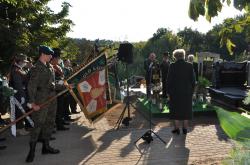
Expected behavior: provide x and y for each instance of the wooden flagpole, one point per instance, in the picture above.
(58, 94)
(31, 111)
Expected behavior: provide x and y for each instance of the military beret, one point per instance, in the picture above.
(57, 52)
(21, 57)
(45, 50)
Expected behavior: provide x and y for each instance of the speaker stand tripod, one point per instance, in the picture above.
(121, 119)
(147, 136)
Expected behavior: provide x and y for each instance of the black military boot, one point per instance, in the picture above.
(31, 154)
(46, 149)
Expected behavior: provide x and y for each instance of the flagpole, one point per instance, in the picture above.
(74, 95)
(85, 65)
(31, 111)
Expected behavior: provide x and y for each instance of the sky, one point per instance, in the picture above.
(133, 20)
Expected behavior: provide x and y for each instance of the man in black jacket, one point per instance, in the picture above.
(148, 63)
(164, 73)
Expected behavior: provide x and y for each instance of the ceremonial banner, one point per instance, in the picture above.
(92, 87)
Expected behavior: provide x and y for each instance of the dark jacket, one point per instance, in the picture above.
(180, 87)
(18, 80)
(195, 66)
(164, 70)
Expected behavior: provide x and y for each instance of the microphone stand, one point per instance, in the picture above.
(147, 136)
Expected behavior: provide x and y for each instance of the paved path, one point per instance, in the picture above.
(101, 144)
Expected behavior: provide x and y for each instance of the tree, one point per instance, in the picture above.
(25, 24)
(163, 40)
(213, 39)
(211, 8)
(193, 41)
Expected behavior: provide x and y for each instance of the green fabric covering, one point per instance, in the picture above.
(198, 107)
(234, 124)
(154, 109)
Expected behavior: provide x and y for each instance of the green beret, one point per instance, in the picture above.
(45, 50)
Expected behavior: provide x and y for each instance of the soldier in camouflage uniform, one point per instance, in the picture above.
(41, 86)
(59, 75)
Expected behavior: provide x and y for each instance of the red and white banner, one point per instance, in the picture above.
(93, 92)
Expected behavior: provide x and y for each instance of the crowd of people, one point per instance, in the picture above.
(36, 81)
(178, 79)
(33, 83)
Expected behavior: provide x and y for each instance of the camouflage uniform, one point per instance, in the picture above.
(41, 86)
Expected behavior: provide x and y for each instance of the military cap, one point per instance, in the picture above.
(21, 57)
(57, 52)
(45, 50)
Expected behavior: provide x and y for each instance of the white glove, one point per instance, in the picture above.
(60, 82)
(22, 100)
(29, 105)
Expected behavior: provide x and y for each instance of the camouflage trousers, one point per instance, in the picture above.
(44, 121)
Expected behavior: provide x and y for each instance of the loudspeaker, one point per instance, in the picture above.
(125, 53)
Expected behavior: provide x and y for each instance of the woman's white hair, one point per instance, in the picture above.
(190, 58)
(179, 54)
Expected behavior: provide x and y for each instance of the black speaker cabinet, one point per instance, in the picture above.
(125, 53)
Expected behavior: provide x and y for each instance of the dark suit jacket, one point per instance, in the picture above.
(195, 66)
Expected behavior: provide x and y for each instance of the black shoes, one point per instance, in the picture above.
(184, 130)
(65, 123)
(31, 154)
(176, 131)
(46, 149)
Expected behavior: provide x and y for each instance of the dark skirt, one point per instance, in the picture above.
(181, 109)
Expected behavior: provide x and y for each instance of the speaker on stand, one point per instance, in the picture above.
(125, 54)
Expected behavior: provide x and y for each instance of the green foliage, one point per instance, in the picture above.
(231, 48)
(7, 92)
(192, 40)
(196, 7)
(246, 101)
(209, 8)
(24, 25)
(203, 82)
(163, 40)
(12, 2)
(212, 8)
(235, 125)
(240, 155)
